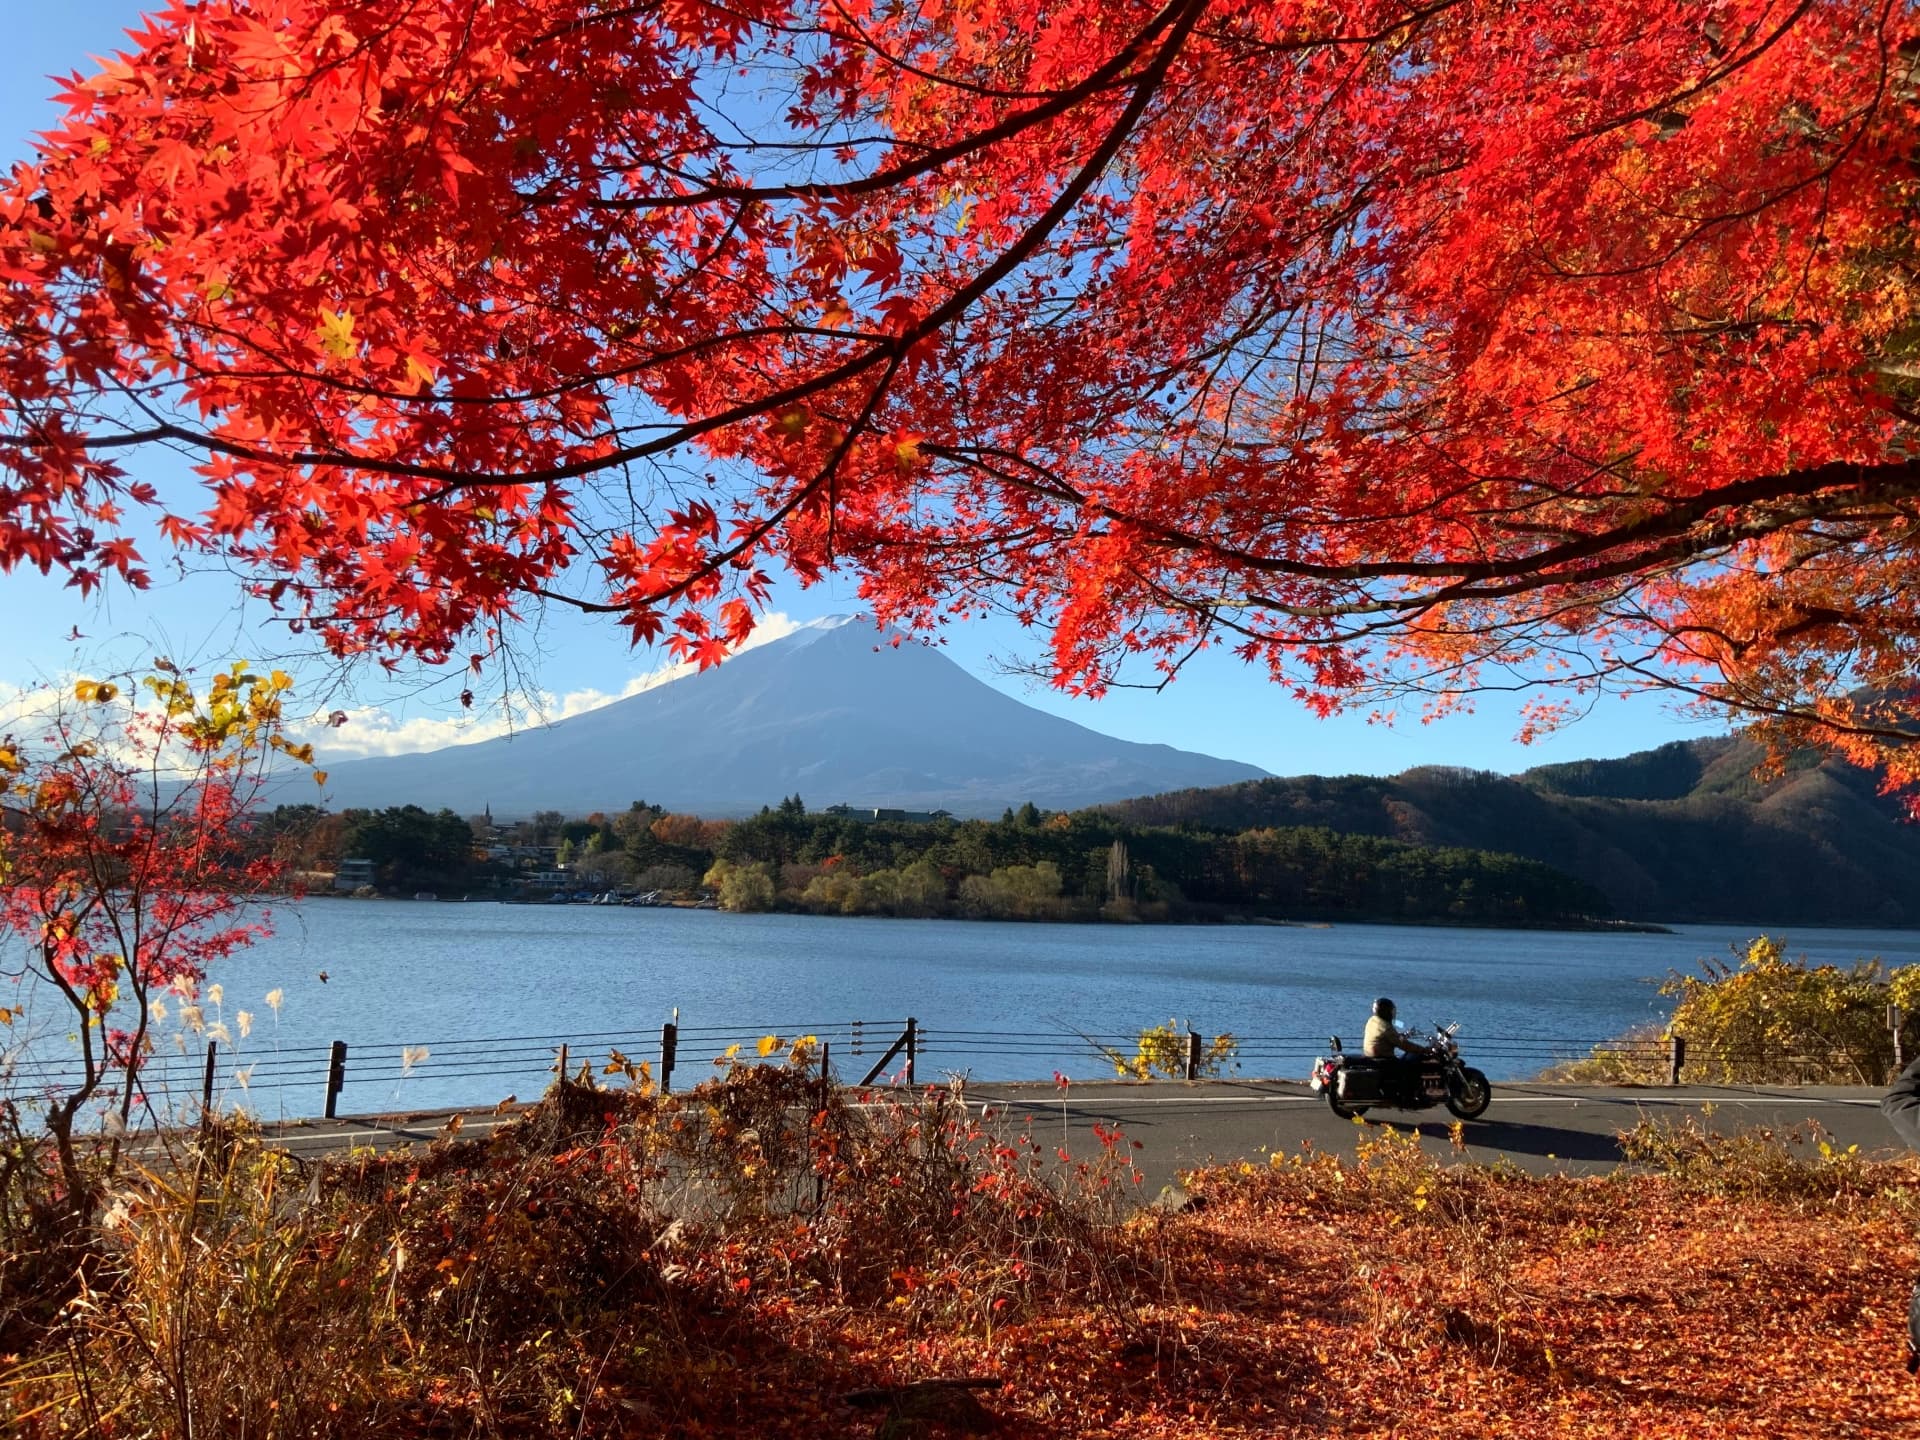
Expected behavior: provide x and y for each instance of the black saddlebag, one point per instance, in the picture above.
(1358, 1084)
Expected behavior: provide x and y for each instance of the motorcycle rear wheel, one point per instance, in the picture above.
(1469, 1094)
(1343, 1110)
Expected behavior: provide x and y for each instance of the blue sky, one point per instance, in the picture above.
(568, 662)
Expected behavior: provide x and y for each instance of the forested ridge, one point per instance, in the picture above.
(1687, 832)
(1032, 865)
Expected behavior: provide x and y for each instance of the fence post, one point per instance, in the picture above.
(669, 1043)
(913, 1046)
(560, 1066)
(336, 1075)
(206, 1081)
(1193, 1055)
(1894, 1017)
(1676, 1057)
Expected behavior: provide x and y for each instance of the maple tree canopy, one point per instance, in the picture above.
(1404, 347)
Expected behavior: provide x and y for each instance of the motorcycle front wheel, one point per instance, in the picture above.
(1345, 1111)
(1469, 1093)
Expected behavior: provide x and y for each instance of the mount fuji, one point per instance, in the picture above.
(834, 712)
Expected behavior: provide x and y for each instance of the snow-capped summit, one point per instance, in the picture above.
(814, 630)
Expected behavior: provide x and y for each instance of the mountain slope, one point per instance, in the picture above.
(1684, 832)
(832, 712)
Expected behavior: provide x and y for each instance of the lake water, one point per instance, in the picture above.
(489, 991)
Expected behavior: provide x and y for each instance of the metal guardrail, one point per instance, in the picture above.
(881, 1051)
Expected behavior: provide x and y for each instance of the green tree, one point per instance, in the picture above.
(742, 888)
(410, 847)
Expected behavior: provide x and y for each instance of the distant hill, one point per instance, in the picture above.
(833, 712)
(1682, 833)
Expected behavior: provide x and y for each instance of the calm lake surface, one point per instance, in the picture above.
(490, 990)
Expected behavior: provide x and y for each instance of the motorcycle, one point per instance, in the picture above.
(1354, 1084)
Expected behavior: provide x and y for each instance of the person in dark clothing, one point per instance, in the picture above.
(1901, 1106)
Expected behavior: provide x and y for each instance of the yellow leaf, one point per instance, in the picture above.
(319, 777)
(730, 1052)
(836, 314)
(768, 1044)
(6, 1015)
(336, 333)
(906, 453)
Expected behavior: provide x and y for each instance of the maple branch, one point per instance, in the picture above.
(1186, 14)
(1850, 482)
(1111, 75)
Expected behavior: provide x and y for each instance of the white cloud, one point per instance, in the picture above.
(376, 730)
(35, 714)
(23, 708)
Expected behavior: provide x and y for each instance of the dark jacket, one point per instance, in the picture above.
(1902, 1105)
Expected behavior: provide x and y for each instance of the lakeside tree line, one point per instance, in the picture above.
(1029, 865)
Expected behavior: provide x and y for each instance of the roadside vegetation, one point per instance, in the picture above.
(753, 1258)
(1767, 1018)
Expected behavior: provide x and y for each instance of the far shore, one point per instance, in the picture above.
(1193, 917)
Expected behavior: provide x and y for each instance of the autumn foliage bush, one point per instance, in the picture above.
(602, 1261)
(1768, 1019)
(1802, 1163)
(1163, 1051)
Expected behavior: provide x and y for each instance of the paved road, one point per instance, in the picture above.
(1541, 1128)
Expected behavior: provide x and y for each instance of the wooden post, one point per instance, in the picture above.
(560, 1068)
(908, 1040)
(1676, 1057)
(206, 1080)
(669, 1043)
(336, 1076)
(913, 1045)
(1193, 1055)
(1894, 1017)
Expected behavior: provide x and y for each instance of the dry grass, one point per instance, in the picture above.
(738, 1260)
(616, 1258)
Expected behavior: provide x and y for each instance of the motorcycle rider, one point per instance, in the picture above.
(1383, 1043)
